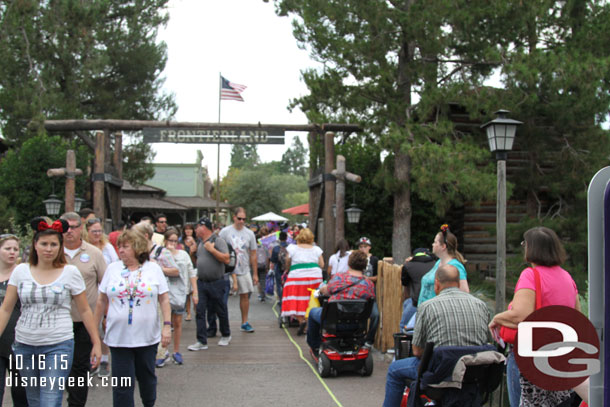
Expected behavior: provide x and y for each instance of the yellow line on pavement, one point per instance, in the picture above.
(307, 361)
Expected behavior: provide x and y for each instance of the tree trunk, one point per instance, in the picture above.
(401, 228)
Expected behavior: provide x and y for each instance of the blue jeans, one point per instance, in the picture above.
(373, 324)
(408, 310)
(211, 293)
(278, 283)
(134, 363)
(398, 372)
(512, 380)
(314, 329)
(53, 362)
(212, 327)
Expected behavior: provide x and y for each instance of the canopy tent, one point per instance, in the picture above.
(269, 217)
(298, 210)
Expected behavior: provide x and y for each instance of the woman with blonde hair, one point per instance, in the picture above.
(96, 236)
(305, 263)
(445, 248)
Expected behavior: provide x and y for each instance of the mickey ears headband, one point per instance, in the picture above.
(39, 224)
(444, 228)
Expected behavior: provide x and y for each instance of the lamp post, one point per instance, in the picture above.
(501, 135)
(78, 203)
(52, 205)
(353, 214)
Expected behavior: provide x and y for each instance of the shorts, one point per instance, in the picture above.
(244, 284)
(180, 311)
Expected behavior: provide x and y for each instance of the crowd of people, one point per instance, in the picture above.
(117, 303)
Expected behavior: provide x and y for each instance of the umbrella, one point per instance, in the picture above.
(269, 216)
(298, 210)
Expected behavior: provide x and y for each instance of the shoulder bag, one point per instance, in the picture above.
(509, 335)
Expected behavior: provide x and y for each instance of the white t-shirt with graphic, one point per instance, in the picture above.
(242, 241)
(45, 308)
(120, 284)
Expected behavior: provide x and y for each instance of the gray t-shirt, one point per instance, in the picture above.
(208, 268)
(242, 241)
(45, 308)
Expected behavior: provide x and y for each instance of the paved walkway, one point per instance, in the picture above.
(263, 368)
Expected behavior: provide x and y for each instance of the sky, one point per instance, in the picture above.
(250, 45)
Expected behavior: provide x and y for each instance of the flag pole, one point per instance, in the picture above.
(218, 153)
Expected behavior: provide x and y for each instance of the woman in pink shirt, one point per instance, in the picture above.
(545, 253)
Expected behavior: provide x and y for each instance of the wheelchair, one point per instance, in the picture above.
(473, 374)
(344, 328)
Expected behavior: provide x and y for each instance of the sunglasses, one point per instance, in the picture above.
(8, 236)
(238, 218)
(93, 221)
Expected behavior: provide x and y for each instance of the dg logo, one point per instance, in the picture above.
(557, 348)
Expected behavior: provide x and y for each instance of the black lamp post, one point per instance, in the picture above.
(52, 205)
(353, 214)
(78, 203)
(501, 135)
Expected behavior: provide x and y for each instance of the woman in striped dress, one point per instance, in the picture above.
(305, 263)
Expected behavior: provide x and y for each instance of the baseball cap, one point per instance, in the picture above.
(205, 221)
(421, 251)
(364, 240)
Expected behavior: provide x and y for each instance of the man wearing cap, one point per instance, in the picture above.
(413, 270)
(90, 262)
(212, 255)
(364, 245)
(246, 268)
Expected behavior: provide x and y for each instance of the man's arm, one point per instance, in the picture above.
(254, 265)
(221, 257)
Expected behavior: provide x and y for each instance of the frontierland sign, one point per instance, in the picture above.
(221, 134)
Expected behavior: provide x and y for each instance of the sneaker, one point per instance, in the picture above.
(103, 370)
(247, 327)
(161, 362)
(224, 340)
(177, 358)
(197, 346)
(368, 345)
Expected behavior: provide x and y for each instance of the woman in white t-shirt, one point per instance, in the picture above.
(130, 290)
(305, 263)
(44, 337)
(95, 235)
(337, 263)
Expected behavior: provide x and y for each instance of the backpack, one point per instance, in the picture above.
(261, 257)
(282, 257)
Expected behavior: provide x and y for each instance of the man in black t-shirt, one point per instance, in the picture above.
(413, 270)
(364, 245)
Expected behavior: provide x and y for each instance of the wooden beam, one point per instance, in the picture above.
(134, 125)
(98, 185)
(329, 195)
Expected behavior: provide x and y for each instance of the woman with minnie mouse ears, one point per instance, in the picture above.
(445, 248)
(44, 339)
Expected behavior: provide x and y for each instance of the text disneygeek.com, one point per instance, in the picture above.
(62, 382)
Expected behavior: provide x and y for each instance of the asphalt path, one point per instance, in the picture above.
(263, 368)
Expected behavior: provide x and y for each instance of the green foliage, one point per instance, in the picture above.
(137, 162)
(259, 191)
(73, 60)
(23, 180)
(294, 160)
(244, 156)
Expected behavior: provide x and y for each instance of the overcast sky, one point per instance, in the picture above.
(250, 45)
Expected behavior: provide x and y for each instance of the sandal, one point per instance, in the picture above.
(188, 318)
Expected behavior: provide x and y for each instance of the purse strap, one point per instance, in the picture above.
(538, 288)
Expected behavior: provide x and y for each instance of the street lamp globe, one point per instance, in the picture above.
(78, 203)
(52, 205)
(353, 214)
(501, 132)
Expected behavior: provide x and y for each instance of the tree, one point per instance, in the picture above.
(294, 160)
(23, 180)
(244, 156)
(137, 158)
(81, 60)
(394, 66)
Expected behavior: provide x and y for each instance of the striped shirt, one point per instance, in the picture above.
(453, 318)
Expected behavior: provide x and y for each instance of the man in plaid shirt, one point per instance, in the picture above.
(452, 318)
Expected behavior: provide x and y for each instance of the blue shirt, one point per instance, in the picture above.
(427, 281)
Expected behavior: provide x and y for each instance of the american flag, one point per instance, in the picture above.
(230, 90)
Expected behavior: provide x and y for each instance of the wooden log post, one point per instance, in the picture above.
(70, 172)
(98, 175)
(329, 195)
(389, 291)
(341, 176)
